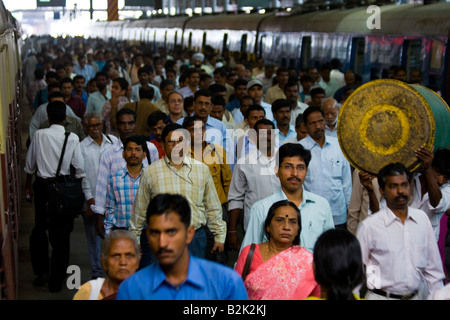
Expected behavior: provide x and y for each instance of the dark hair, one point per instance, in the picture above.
(51, 74)
(66, 80)
(271, 214)
(338, 263)
(310, 110)
(202, 93)
(240, 82)
(189, 121)
(169, 128)
(139, 140)
(145, 69)
(306, 77)
(165, 203)
(263, 121)
(317, 90)
(146, 92)
(55, 94)
(215, 88)
(291, 84)
(155, 117)
(123, 83)
(280, 103)
(293, 150)
(253, 107)
(166, 83)
(56, 111)
(299, 120)
(218, 100)
(125, 111)
(392, 169)
(441, 162)
(39, 73)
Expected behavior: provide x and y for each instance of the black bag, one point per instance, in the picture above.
(66, 195)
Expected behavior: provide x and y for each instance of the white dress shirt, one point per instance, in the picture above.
(423, 203)
(91, 153)
(45, 149)
(253, 179)
(399, 255)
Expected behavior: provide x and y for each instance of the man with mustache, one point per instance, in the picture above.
(281, 109)
(291, 169)
(398, 245)
(178, 274)
(329, 173)
(330, 109)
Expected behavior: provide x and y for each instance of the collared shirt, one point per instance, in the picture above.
(193, 181)
(398, 255)
(87, 72)
(290, 135)
(299, 109)
(331, 133)
(423, 203)
(83, 97)
(315, 214)
(274, 93)
(186, 92)
(91, 152)
(41, 115)
(135, 92)
(96, 101)
(110, 161)
(238, 116)
(77, 105)
(253, 179)
(206, 280)
(44, 153)
(329, 175)
(214, 156)
(121, 192)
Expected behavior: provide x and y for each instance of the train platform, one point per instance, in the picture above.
(78, 254)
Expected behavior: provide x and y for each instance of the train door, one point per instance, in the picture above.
(225, 42)
(357, 55)
(305, 53)
(175, 40)
(244, 43)
(202, 49)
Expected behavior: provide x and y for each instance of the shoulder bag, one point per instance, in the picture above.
(248, 262)
(66, 195)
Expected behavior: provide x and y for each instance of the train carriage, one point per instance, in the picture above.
(10, 152)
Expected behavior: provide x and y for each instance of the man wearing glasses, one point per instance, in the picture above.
(177, 173)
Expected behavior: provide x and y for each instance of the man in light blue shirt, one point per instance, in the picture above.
(145, 74)
(329, 174)
(84, 69)
(316, 216)
(178, 275)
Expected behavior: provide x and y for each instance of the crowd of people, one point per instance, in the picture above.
(187, 159)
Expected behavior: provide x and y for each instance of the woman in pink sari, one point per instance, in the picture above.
(279, 269)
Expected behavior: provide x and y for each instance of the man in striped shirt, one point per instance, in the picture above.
(177, 173)
(123, 185)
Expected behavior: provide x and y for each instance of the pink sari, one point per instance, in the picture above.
(287, 276)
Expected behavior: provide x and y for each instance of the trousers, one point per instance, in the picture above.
(53, 230)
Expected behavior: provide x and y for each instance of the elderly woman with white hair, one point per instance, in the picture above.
(120, 259)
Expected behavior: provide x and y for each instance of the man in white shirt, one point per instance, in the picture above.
(92, 147)
(253, 179)
(42, 159)
(291, 91)
(398, 245)
(330, 110)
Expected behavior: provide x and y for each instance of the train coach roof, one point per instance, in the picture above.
(227, 22)
(415, 19)
(168, 22)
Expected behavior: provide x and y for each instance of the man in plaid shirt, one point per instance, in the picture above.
(123, 185)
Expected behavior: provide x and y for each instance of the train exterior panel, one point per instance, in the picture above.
(10, 151)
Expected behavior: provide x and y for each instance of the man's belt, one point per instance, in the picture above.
(393, 295)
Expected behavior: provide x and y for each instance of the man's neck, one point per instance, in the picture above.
(175, 117)
(296, 196)
(134, 171)
(177, 273)
(99, 140)
(401, 213)
(320, 142)
(284, 128)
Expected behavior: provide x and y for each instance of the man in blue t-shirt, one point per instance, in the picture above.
(178, 275)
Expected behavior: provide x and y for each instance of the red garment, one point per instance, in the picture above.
(287, 276)
(77, 106)
(159, 147)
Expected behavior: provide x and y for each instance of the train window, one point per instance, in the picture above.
(305, 54)
(244, 43)
(203, 42)
(357, 55)
(225, 42)
(411, 55)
